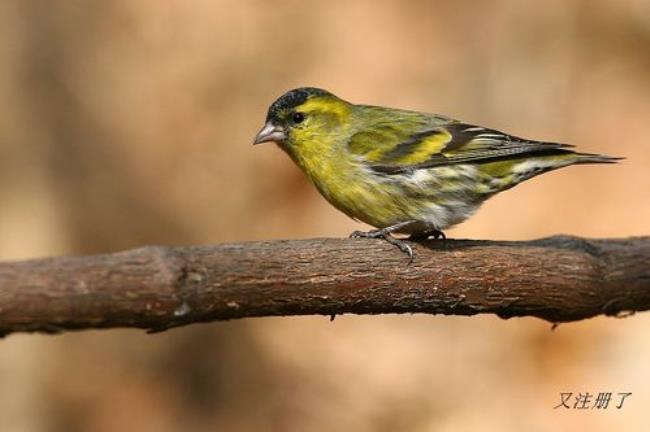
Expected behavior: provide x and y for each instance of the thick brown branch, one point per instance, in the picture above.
(558, 279)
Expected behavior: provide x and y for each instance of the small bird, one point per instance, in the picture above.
(404, 171)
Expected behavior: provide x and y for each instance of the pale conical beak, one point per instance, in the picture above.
(270, 132)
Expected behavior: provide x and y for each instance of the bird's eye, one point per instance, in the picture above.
(298, 117)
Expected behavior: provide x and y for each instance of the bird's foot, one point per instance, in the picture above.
(385, 234)
(436, 234)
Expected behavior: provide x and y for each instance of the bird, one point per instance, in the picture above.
(401, 171)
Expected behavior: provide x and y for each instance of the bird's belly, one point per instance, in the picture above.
(382, 201)
(374, 204)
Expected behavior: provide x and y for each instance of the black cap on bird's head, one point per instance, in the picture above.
(292, 99)
(282, 112)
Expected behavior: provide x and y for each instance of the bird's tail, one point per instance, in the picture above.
(555, 160)
(589, 158)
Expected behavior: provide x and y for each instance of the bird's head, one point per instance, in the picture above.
(304, 116)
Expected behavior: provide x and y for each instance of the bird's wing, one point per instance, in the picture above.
(405, 145)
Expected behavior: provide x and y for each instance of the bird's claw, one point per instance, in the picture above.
(403, 246)
(369, 234)
(385, 235)
(360, 234)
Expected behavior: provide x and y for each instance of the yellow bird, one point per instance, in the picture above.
(404, 171)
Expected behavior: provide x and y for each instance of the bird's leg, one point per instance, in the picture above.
(436, 234)
(386, 234)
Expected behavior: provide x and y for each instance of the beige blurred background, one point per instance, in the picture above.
(127, 123)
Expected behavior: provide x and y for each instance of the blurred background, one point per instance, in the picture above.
(127, 123)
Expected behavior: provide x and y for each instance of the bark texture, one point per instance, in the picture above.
(558, 279)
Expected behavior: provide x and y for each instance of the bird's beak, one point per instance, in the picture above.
(270, 132)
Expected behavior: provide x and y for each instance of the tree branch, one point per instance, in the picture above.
(558, 279)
